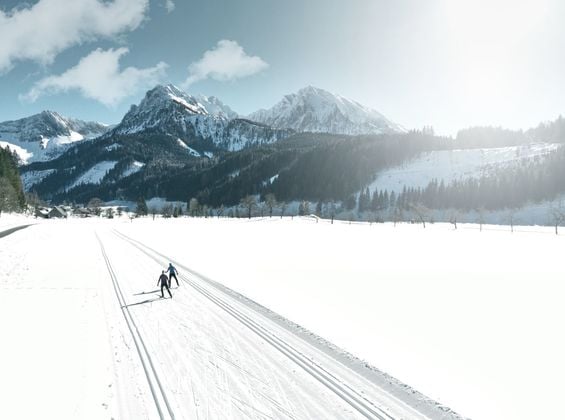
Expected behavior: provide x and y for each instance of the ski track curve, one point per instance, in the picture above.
(286, 405)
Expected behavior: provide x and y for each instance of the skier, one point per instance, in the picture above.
(172, 273)
(164, 280)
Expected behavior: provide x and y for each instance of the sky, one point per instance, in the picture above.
(449, 64)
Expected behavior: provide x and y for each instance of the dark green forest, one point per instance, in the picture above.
(11, 191)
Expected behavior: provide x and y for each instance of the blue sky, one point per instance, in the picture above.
(445, 63)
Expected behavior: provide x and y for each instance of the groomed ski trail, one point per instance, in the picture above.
(159, 396)
(364, 399)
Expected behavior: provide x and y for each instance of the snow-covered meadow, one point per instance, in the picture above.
(471, 319)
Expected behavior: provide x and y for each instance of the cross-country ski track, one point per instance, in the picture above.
(230, 361)
(95, 340)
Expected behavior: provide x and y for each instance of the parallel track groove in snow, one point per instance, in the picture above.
(357, 401)
(159, 397)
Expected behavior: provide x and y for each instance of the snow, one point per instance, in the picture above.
(74, 346)
(191, 151)
(133, 168)
(458, 314)
(469, 318)
(46, 135)
(95, 174)
(113, 146)
(10, 220)
(45, 149)
(450, 165)
(23, 154)
(30, 178)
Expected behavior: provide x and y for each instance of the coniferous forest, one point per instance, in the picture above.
(11, 192)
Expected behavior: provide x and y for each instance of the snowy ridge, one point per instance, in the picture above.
(46, 135)
(316, 110)
(194, 120)
(216, 107)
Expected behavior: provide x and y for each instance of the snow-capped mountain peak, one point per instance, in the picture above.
(316, 110)
(169, 110)
(216, 107)
(46, 135)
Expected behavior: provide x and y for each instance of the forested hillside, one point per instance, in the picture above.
(303, 167)
(11, 192)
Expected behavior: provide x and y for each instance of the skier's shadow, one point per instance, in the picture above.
(143, 302)
(146, 293)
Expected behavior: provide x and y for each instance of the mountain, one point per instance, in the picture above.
(216, 107)
(315, 110)
(202, 123)
(168, 130)
(46, 135)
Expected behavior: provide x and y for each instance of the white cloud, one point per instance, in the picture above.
(227, 61)
(42, 31)
(169, 5)
(98, 76)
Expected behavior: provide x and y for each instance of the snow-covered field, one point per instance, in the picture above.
(471, 319)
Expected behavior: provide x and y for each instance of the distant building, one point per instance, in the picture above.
(42, 212)
(57, 212)
(82, 212)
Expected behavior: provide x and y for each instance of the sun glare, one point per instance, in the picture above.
(488, 45)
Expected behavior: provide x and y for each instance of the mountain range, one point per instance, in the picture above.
(171, 139)
(204, 124)
(317, 111)
(178, 146)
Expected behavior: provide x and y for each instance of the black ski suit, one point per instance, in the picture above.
(164, 280)
(172, 274)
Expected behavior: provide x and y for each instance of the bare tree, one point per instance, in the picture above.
(220, 211)
(193, 207)
(95, 205)
(262, 208)
(283, 208)
(153, 211)
(481, 215)
(453, 215)
(397, 215)
(421, 212)
(249, 202)
(511, 217)
(271, 202)
(332, 210)
(557, 213)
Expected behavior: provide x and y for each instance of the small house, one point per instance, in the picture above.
(42, 212)
(57, 212)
